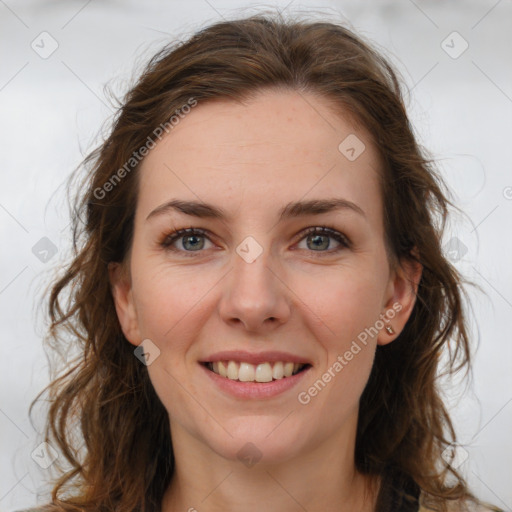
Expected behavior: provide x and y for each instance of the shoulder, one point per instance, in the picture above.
(466, 507)
(38, 509)
(29, 510)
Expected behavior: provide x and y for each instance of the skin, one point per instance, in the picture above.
(251, 159)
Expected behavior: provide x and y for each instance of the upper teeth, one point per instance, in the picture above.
(247, 372)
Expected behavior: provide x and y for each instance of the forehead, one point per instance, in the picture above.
(277, 147)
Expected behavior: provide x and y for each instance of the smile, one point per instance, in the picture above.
(263, 372)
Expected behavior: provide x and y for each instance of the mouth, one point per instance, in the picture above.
(242, 371)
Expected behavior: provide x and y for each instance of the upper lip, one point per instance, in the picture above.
(254, 358)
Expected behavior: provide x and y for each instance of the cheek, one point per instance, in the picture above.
(343, 307)
(170, 309)
(348, 313)
(341, 303)
(167, 297)
(336, 394)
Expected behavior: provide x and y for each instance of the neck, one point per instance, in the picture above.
(325, 479)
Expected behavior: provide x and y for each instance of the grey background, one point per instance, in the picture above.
(52, 109)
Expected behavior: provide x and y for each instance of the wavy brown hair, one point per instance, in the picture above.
(104, 415)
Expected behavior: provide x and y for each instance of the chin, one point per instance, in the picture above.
(257, 441)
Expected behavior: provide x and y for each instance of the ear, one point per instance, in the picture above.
(400, 298)
(120, 285)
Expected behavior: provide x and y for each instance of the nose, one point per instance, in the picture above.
(255, 295)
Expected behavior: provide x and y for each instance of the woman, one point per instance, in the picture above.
(259, 292)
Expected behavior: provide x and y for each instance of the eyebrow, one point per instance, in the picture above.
(291, 210)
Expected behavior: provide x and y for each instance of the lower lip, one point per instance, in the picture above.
(257, 390)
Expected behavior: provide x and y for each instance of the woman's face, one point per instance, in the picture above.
(253, 286)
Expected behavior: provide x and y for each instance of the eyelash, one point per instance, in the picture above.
(171, 237)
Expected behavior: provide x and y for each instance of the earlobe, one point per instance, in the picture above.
(399, 305)
(120, 285)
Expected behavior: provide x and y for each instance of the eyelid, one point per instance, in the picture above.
(169, 238)
(327, 231)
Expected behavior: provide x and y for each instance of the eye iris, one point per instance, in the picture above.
(316, 238)
(193, 240)
(194, 247)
